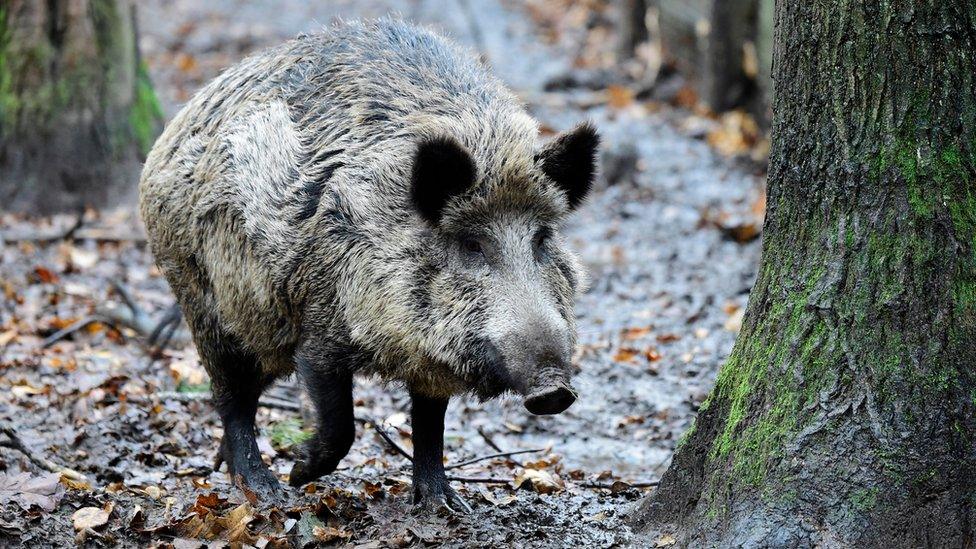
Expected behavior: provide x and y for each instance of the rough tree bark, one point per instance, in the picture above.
(77, 109)
(846, 414)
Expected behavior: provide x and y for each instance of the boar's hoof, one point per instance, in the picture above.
(441, 496)
(258, 485)
(550, 400)
(309, 469)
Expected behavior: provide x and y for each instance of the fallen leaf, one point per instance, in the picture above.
(734, 322)
(7, 337)
(328, 534)
(374, 491)
(667, 540)
(668, 338)
(45, 275)
(44, 491)
(75, 484)
(208, 502)
(542, 482)
(619, 97)
(631, 334)
(82, 259)
(652, 355)
(498, 501)
(90, 517)
(736, 133)
(625, 354)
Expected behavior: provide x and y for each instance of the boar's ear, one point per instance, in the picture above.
(442, 169)
(570, 161)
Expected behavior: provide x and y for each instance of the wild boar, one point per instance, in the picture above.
(367, 200)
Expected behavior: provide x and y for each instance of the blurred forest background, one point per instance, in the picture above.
(108, 439)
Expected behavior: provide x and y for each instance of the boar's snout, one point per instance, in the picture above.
(538, 357)
(550, 400)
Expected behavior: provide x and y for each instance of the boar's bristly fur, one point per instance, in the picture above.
(368, 199)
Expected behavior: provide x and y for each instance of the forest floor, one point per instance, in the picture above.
(669, 240)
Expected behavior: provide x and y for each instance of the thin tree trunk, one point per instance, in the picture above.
(846, 414)
(77, 110)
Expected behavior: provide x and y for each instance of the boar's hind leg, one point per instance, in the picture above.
(237, 383)
(430, 485)
(335, 430)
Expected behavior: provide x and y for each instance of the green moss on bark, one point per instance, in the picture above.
(146, 116)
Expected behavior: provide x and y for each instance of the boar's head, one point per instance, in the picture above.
(499, 280)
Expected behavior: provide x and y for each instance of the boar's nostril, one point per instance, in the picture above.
(551, 400)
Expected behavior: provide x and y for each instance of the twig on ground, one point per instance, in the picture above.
(15, 443)
(491, 443)
(594, 485)
(480, 480)
(134, 317)
(610, 486)
(389, 440)
(492, 456)
(399, 449)
(68, 330)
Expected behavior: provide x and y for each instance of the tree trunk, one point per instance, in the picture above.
(845, 414)
(77, 109)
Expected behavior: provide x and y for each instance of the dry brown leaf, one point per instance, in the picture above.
(7, 337)
(497, 501)
(667, 540)
(626, 354)
(734, 322)
(736, 133)
(630, 334)
(75, 484)
(90, 517)
(328, 534)
(45, 275)
(686, 97)
(541, 481)
(668, 338)
(619, 97)
(652, 354)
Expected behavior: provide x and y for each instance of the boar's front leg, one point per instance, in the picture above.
(331, 391)
(430, 485)
(237, 382)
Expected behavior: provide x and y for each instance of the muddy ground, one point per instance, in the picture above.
(668, 240)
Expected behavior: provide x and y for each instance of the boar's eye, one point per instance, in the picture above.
(541, 238)
(539, 242)
(472, 248)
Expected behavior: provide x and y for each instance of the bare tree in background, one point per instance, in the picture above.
(846, 414)
(77, 109)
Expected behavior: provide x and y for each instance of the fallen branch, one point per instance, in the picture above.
(68, 330)
(491, 443)
(15, 443)
(492, 456)
(382, 432)
(611, 485)
(480, 480)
